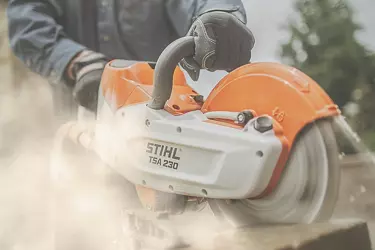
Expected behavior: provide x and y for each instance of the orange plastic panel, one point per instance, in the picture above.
(288, 95)
(116, 89)
(181, 101)
(134, 84)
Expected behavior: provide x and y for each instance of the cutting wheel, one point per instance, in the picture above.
(307, 191)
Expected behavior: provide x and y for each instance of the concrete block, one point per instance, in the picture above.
(340, 235)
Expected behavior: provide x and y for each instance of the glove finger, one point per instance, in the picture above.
(245, 59)
(245, 32)
(205, 45)
(238, 57)
(223, 50)
(191, 67)
(234, 51)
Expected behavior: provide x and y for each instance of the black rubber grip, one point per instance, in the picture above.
(165, 67)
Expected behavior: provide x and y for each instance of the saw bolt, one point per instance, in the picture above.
(263, 124)
(244, 117)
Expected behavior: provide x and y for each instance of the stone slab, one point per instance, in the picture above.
(340, 235)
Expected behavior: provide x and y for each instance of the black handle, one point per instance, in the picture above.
(165, 67)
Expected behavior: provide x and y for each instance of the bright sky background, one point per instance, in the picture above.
(266, 16)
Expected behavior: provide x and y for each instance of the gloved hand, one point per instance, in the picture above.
(86, 70)
(222, 42)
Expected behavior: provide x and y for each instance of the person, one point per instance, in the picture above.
(70, 41)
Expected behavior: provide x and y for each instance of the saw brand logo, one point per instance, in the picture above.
(162, 150)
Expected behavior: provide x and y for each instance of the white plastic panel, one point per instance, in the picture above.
(209, 160)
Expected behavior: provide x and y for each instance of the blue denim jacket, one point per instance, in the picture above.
(46, 34)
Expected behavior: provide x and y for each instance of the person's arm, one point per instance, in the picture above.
(183, 13)
(38, 40)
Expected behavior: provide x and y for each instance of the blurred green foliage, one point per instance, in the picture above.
(323, 44)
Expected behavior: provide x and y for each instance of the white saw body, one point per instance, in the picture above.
(185, 154)
(259, 149)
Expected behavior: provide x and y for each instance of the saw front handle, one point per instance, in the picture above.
(165, 67)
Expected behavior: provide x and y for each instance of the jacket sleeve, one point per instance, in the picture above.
(38, 40)
(183, 13)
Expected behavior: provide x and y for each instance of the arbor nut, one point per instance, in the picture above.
(263, 124)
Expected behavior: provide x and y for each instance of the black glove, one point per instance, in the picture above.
(222, 42)
(87, 70)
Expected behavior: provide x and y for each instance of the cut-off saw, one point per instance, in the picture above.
(260, 148)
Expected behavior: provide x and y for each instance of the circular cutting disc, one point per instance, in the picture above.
(307, 191)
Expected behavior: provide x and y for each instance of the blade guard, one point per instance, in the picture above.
(293, 99)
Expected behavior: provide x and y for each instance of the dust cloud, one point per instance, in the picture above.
(66, 199)
(24, 182)
(54, 195)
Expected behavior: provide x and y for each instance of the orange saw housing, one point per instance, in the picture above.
(286, 94)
